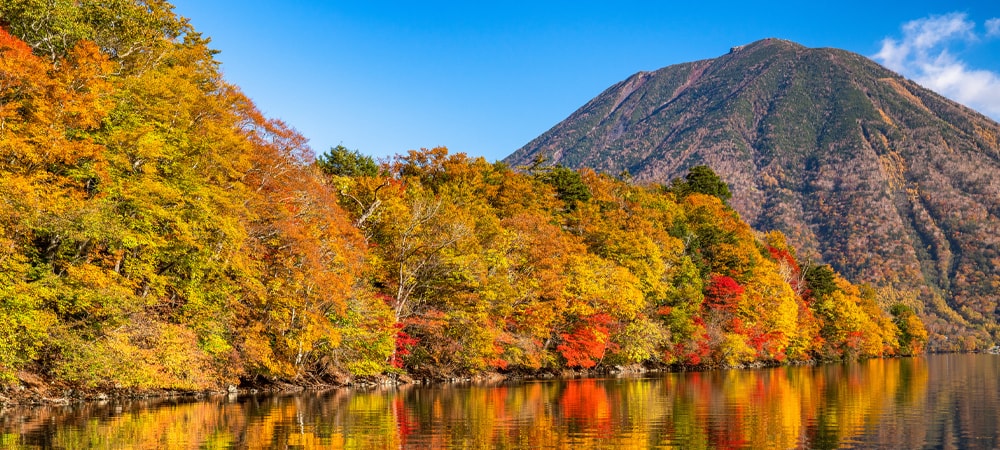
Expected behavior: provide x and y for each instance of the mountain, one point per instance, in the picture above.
(890, 183)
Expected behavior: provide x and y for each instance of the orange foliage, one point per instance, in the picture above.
(147, 197)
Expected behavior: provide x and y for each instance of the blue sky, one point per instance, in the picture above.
(485, 78)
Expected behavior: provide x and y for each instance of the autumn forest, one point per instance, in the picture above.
(158, 232)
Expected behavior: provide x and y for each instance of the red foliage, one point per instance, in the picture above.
(782, 256)
(388, 300)
(588, 341)
(767, 344)
(736, 326)
(854, 339)
(758, 339)
(502, 340)
(701, 351)
(723, 293)
(694, 352)
(404, 343)
(12, 46)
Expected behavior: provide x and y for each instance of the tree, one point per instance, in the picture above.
(568, 184)
(50, 173)
(131, 32)
(340, 161)
(820, 280)
(703, 180)
(912, 335)
(588, 342)
(723, 293)
(158, 231)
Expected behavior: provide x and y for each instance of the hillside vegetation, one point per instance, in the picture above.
(157, 232)
(888, 182)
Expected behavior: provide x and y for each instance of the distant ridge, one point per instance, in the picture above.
(890, 183)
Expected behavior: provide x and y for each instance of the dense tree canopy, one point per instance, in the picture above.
(157, 231)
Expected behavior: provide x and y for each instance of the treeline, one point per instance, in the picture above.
(156, 231)
(487, 268)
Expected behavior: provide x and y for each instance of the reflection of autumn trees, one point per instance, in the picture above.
(815, 407)
(586, 408)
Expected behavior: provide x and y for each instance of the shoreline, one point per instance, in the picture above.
(32, 391)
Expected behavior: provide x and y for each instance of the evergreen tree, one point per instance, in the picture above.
(348, 163)
(702, 180)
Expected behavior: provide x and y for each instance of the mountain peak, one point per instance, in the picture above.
(771, 42)
(889, 182)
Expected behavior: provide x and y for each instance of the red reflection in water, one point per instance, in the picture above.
(585, 402)
(405, 425)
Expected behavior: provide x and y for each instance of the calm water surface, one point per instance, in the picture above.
(940, 401)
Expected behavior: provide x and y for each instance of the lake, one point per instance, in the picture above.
(937, 401)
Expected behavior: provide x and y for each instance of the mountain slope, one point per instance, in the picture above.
(888, 182)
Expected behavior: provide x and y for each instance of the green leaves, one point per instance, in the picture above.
(340, 161)
(123, 29)
(568, 184)
(820, 280)
(702, 180)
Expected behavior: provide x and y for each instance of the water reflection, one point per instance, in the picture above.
(938, 401)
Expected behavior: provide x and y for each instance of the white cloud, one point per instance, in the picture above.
(922, 54)
(993, 27)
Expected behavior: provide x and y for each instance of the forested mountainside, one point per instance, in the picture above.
(886, 181)
(157, 232)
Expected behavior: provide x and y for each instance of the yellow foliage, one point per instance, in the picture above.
(770, 302)
(172, 236)
(596, 285)
(735, 350)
